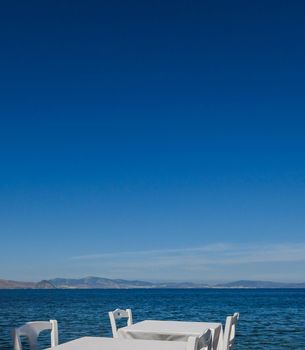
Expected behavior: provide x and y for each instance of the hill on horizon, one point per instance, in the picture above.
(92, 282)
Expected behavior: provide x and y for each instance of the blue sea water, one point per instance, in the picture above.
(270, 319)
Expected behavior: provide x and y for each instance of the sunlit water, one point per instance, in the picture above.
(270, 319)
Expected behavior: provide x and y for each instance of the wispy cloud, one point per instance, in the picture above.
(215, 253)
(214, 261)
(219, 247)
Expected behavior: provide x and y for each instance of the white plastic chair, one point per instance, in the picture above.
(117, 315)
(204, 342)
(192, 343)
(31, 330)
(230, 331)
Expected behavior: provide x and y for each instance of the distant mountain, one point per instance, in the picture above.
(7, 284)
(44, 284)
(95, 283)
(107, 283)
(185, 285)
(98, 282)
(260, 284)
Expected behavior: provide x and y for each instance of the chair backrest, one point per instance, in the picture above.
(230, 331)
(203, 342)
(117, 315)
(192, 343)
(31, 330)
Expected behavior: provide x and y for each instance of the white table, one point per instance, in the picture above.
(172, 330)
(99, 343)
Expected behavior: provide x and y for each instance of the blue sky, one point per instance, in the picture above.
(160, 141)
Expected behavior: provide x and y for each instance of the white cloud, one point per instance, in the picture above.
(211, 262)
(215, 253)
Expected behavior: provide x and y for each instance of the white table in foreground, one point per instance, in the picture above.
(172, 330)
(99, 343)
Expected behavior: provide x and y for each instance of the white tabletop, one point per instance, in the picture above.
(172, 330)
(99, 343)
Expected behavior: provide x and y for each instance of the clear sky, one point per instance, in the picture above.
(160, 140)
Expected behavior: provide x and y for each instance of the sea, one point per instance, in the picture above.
(270, 319)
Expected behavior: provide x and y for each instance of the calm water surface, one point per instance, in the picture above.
(270, 319)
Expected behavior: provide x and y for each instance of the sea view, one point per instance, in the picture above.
(152, 167)
(270, 319)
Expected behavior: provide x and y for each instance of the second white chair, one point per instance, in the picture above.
(230, 331)
(204, 342)
(31, 330)
(117, 315)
